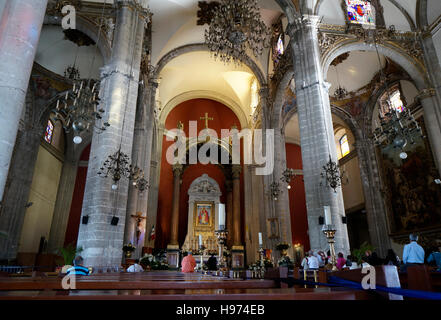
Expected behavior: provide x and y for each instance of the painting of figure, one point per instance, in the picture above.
(204, 212)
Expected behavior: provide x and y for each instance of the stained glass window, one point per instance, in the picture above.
(344, 145)
(396, 102)
(49, 132)
(360, 12)
(280, 46)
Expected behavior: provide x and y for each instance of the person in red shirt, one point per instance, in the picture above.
(188, 263)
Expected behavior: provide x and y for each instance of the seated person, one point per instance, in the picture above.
(341, 261)
(78, 268)
(212, 263)
(435, 257)
(188, 263)
(135, 267)
(313, 262)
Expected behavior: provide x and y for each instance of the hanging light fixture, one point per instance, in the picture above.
(275, 190)
(331, 174)
(340, 92)
(118, 166)
(287, 176)
(235, 27)
(397, 129)
(79, 110)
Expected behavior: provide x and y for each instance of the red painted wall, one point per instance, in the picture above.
(192, 110)
(297, 198)
(73, 224)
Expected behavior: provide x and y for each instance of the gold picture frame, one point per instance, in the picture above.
(203, 215)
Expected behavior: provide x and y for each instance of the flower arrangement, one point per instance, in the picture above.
(283, 246)
(153, 262)
(128, 248)
(285, 262)
(227, 253)
(258, 265)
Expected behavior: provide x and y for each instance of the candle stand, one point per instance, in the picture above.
(221, 239)
(329, 231)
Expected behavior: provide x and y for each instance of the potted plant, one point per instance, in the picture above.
(283, 247)
(128, 250)
(361, 252)
(69, 253)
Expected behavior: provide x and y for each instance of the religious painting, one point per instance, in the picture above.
(360, 12)
(273, 228)
(412, 195)
(203, 215)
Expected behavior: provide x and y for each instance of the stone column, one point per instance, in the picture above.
(19, 34)
(229, 209)
(316, 133)
(174, 223)
(237, 242)
(432, 120)
(63, 204)
(142, 147)
(101, 241)
(375, 209)
(17, 190)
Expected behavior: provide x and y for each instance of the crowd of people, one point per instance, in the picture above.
(413, 254)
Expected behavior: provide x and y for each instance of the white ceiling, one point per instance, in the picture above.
(356, 71)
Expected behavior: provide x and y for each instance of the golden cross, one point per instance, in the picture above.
(206, 118)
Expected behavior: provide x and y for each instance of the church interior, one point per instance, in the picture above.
(109, 107)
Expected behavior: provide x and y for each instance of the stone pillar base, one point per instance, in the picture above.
(173, 256)
(237, 257)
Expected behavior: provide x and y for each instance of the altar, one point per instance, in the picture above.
(203, 212)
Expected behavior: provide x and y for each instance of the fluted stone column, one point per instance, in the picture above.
(20, 28)
(63, 204)
(16, 194)
(174, 224)
(375, 209)
(237, 242)
(101, 241)
(229, 209)
(142, 147)
(316, 132)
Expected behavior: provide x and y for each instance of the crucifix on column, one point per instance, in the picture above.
(138, 218)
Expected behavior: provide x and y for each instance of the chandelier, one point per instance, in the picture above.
(72, 73)
(340, 92)
(235, 27)
(118, 166)
(287, 176)
(397, 128)
(331, 174)
(275, 190)
(78, 111)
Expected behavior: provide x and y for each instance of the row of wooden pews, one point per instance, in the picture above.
(164, 285)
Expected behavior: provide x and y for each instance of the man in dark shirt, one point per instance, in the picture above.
(78, 268)
(212, 263)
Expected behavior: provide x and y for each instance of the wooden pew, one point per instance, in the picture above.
(422, 278)
(386, 276)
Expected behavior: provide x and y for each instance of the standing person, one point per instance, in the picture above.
(320, 260)
(78, 268)
(313, 263)
(413, 253)
(188, 263)
(136, 267)
(341, 261)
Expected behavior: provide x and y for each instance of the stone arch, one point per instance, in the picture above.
(277, 116)
(421, 14)
(202, 47)
(406, 62)
(204, 94)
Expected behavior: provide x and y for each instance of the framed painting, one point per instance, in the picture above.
(203, 215)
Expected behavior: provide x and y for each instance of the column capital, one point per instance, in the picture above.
(308, 21)
(178, 169)
(137, 5)
(236, 171)
(426, 93)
